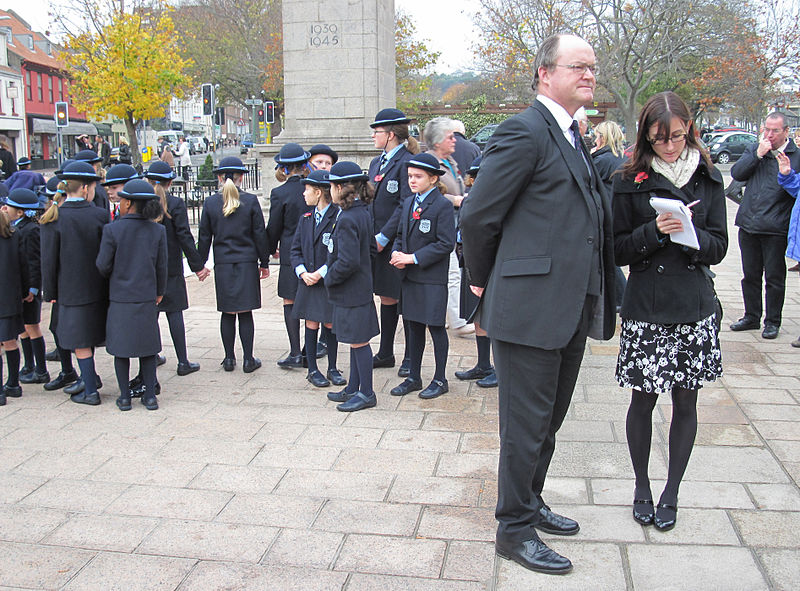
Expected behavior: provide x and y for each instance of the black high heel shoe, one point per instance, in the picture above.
(644, 512)
(665, 517)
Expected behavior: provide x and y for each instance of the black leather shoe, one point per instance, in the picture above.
(61, 380)
(643, 511)
(291, 361)
(489, 381)
(52, 355)
(35, 378)
(434, 390)
(124, 403)
(665, 517)
(340, 396)
(407, 386)
(405, 369)
(184, 369)
(534, 555)
(2, 397)
(12, 391)
(745, 324)
(160, 360)
(770, 332)
(553, 523)
(150, 402)
(336, 377)
(317, 379)
(138, 391)
(228, 364)
(476, 373)
(79, 387)
(250, 365)
(83, 397)
(383, 361)
(24, 372)
(358, 401)
(322, 350)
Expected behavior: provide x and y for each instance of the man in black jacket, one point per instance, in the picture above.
(7, 162)
(763, 221)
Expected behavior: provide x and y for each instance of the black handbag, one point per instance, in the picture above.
(718, 312)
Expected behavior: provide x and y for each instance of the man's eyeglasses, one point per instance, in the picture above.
(675, 138)
(579, 69)
(770, 131)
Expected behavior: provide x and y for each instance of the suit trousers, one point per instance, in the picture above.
(535, 391)
(454, 318)
(763, 256)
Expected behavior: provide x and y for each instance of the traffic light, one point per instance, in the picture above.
(62, 114)
(269, 107)
(208, 99)
(261, 115)
(219, 116)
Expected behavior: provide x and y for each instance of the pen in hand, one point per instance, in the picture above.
(693, 203)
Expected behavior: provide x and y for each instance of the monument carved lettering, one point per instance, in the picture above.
(324, 34)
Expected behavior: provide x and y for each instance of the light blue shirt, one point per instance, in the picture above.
(323, 270)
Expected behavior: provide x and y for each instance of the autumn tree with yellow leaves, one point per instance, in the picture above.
(126, 64)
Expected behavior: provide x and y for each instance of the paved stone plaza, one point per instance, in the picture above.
(255, 481)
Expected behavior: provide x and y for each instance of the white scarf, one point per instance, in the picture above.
(679, 172)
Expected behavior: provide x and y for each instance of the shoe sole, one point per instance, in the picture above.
(547, 571)
(557, 532)
(363, 407)
(251, 369)
(186, 373)
(405, 393)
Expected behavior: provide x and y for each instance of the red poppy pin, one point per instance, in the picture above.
(417, 213)
(378, 178)
(641, 177)
(307, 215)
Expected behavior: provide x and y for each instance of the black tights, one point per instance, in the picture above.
(147, 369)
(682, 431)
(177, 330)
(247, 331)
(416, 347)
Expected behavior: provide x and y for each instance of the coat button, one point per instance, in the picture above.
(660, 269)
(590, 240)
(645, 261)
(691, 267)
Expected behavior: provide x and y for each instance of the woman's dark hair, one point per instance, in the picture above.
(5, 227)
(401, 131)
(355, 190)
(284, 171)
(660, 109)
(150, 209)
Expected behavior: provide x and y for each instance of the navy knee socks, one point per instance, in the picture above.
(12, 356)
(311, 349)
(177, 330)
(247, 334)
(88, 374)
(292, 329)
(441, 344)
(363, 359)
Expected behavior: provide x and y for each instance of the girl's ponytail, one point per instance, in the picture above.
(230, 195)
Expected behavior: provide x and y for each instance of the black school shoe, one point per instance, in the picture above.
(124, 403)
(62, 380)
(160, 360)
(35, 378)
(184, 369)
(250, 365)
(405, 369)
(137, 390)
(358, 401)
(291, 361)
(12, 391)
(52, 355)
(434, 390)
(378, 362)
(26, 371)
(406, 387)
(79, 387)
(317, 379)
(476, 373)
(228, 364)
(83, 397)
(336, 377)
(149, 402)
(340, 396)
(489, 381)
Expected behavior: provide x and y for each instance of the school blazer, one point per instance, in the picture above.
(179, 238)
(390, 191)
(349, 278)
(529, 236)
(69, 250)
(31, 247)
(431, 238)
(286, 205)
(133, 255)
(238, 238)
(310, 244)
(13, 276)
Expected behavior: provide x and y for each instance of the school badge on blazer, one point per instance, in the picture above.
(326, 239)
(424, 226)
(392, 186)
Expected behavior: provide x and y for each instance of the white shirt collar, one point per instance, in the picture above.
(560, 114)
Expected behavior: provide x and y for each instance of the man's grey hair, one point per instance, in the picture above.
(459, 127)
(436, 130)
(546, 57)
(779, 115)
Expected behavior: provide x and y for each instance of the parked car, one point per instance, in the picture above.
(247, 142)
(196, 144)
(483, 134)
(730, 146)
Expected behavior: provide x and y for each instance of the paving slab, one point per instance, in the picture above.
(115, 533)
(342, 515)
(40, 567)
(305, 548)
(782, 567)
(774, 529)
(130, 572)
(391, 556)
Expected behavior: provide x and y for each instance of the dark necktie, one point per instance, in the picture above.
(317, 217)
(383, 162)
(417, 210)
(576, 142)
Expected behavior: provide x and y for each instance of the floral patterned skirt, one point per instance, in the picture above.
(656, 358)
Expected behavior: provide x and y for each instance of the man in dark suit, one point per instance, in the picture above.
(538, 247)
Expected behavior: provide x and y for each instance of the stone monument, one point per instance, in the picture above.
(339, 71)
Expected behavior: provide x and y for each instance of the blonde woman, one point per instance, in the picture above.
(609, 151)
(233, 221)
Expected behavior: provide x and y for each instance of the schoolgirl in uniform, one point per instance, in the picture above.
(179, 240)
(21, 208)
(349, 282)
(233, 221)
(309, 256)
(69, 276)
(133, 256)
(388, 176)
(483, 372)
(56, 191)
(322, 157)
(425, 238)
(116, 177)
(16, 285)
(286, 205)
(101, 196)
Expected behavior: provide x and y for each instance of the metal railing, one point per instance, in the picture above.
(194, 191)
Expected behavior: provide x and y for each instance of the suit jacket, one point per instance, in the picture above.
(238, 238)
(431, 238)
(310, 244)
(390, 191)
(69, 250)
(349, 278)
(531, 235)
(286, 205)
(133, 255)
(179, 238)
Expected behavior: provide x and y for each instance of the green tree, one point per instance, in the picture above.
(414, 63)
